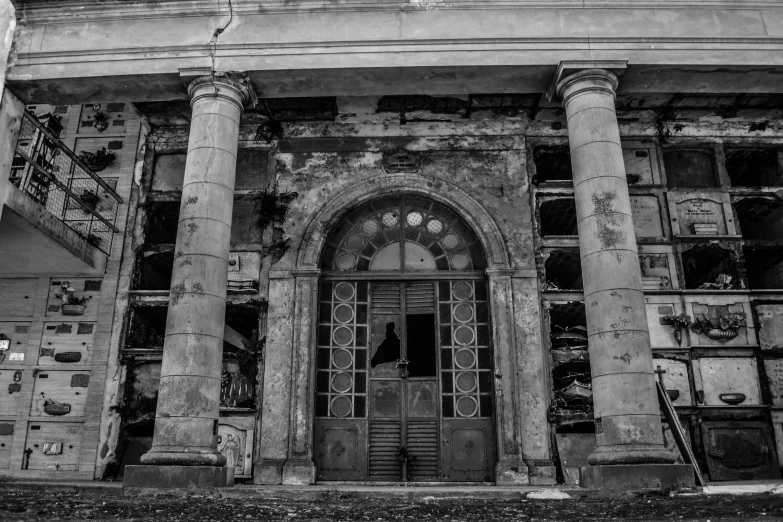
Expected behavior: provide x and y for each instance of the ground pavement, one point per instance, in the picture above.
(102, 501)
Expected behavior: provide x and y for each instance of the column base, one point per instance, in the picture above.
(268, 471)
(637, 476)
(177, 477)
(299, 472)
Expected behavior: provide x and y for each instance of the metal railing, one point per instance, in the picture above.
(57, 179)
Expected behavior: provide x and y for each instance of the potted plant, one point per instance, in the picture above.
(98, 160)
(724, 329)
(99, 121)
(89, 199)
(72, 305)
(678, 322)
(404, 459)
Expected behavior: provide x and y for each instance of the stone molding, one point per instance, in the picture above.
(464, 204)
(47, 11)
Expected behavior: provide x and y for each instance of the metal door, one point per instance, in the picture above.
(425, 381)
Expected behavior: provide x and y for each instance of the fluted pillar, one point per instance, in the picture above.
(186, 419)
(627, 414)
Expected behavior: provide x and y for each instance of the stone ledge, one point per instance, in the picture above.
(177, 477)
(637, 476)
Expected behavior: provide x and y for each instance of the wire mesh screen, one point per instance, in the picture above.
(58, 180)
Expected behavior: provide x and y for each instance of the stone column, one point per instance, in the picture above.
(627, 415)
(184, 448)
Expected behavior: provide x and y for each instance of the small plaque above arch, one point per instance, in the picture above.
(401, 160)
(402, 233)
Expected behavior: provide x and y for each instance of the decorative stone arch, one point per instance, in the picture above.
(464, 204)
(299, 467)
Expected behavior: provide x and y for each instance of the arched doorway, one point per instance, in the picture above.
(404, 355)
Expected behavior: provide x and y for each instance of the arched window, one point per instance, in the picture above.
(404, 234)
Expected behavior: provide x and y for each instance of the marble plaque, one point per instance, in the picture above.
(722, 377)
(638, 166)
(770, 326)
(661, 334)
(700, 216)
(675, 380)
(774, 369)
(646, 216)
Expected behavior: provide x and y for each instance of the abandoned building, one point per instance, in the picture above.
(298, 242)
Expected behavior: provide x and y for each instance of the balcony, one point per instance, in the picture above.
(58, 216)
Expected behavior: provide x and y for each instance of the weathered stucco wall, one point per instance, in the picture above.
(491, 169)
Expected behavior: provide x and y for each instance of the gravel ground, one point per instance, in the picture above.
(26, 504)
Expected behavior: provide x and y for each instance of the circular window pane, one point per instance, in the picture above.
(342, 336)
(450, 241)
(341, 382)
(466, 382)
(462, 290)
(414, 219)
(463, 312)
(434, 226)
(342, 359)
(343, 313)
(460, 261)
(465, 359)
(463, 335)
(345, 261)
(354, 242)
(341, 406)
(343, 291)
(390, 219)
(467, 406)
(370, 227)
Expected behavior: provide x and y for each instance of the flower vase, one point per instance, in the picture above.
(404, 472)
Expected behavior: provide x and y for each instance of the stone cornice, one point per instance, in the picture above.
(57, 11)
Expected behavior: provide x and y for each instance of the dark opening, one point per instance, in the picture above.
(553, 164)
(147, 327)
(690, 168)
(570, 359)
(558, 217)
(764, 267)
(754, 167)
(243, 319)
(563, 270)
(760, 218)
(153, 269)
(421, 345)
(703, 264)
(567, 316)
(161, 226)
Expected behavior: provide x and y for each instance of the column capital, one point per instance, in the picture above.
(581, 69)
(232, 87)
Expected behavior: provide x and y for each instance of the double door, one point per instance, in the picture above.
(404, 373)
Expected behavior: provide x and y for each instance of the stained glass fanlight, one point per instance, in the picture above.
(402, 233)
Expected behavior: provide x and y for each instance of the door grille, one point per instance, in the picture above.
(422, 440)
(385, 297)
(384, 448)
(420, 298)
